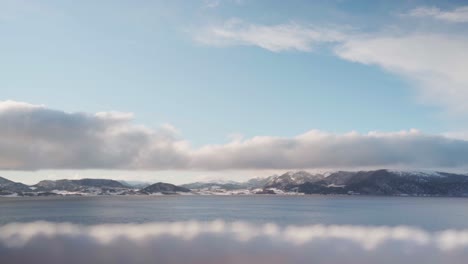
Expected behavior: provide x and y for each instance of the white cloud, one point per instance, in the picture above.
(435, 62)
(224, 242)
(276, 38)
(463, 135)
(36, 137)
(457, 15)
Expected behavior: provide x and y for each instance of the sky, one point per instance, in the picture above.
(181, 91)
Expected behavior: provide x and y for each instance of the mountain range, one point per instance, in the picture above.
(373, 182)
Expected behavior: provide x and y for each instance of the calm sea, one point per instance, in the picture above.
(428, 213)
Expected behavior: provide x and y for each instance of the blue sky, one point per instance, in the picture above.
(218, 70)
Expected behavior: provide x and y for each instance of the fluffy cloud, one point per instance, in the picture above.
(36, 137)
(457, 15)
(435, 62)
(222, 242)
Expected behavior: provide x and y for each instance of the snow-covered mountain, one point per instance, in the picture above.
(283, 180)
(8, 187)
(389, 182)
(291, 178)
(215, 185)
(373, 182)
(85, 187)
(136, 184)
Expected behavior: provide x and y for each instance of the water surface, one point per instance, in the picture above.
(428, 213)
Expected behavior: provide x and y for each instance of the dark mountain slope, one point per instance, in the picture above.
(7, 186)
(164, 188)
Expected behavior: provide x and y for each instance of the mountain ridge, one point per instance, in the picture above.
(371, 182)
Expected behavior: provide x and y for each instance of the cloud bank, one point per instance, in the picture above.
(435, 62)
(35, 137)
(221, 242)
